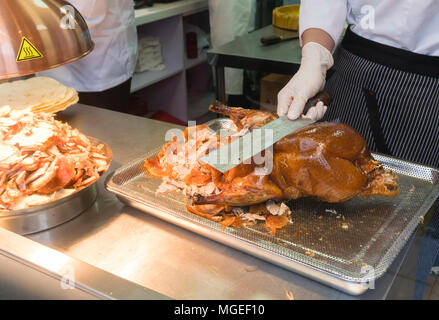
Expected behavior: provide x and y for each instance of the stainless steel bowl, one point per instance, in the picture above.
(52, 214)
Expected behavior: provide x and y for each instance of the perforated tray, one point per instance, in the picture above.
(344, 245)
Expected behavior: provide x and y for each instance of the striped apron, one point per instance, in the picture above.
(390, 95)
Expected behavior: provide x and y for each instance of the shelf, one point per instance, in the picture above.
(170, 33)
(168, 90)
(169, 95)
(190, 63)
(147, 78)
(162, 11)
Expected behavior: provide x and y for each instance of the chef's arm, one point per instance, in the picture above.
(318, 36)
(322, 19)
(321, 26)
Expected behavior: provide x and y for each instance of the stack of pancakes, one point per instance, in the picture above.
(40, 94)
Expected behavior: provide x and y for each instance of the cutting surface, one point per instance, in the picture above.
(158, 255)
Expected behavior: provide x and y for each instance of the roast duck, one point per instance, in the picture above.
(43, 159)
(329, 162)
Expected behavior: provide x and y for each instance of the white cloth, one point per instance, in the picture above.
(230, 19)
(411, 25)
(112, 62)
(149, 54)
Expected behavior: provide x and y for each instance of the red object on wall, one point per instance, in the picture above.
(192, 45)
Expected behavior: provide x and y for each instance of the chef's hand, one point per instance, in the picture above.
(306, 83)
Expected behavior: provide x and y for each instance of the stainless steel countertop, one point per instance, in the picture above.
(249, 47)
(157, 255)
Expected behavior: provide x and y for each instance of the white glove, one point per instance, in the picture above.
(306, 83)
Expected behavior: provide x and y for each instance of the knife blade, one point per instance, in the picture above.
(229, 156)
(245, 147)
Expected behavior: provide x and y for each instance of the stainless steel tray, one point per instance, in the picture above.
(345, 245)
(49, 215)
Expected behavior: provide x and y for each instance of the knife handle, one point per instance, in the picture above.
(266, 41)
(323, 96)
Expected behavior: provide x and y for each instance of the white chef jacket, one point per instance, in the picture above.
(230, 19)
(112, 62)
(412, 25)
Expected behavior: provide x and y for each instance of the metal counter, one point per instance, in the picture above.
(131, 254)
(247, 52)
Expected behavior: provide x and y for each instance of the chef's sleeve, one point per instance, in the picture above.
(328, 15)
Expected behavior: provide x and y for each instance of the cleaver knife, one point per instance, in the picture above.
(229, 156)
(267, 41)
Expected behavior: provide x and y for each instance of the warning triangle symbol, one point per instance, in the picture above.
(28, 51)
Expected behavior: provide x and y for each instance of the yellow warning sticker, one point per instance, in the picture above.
(28, 51)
